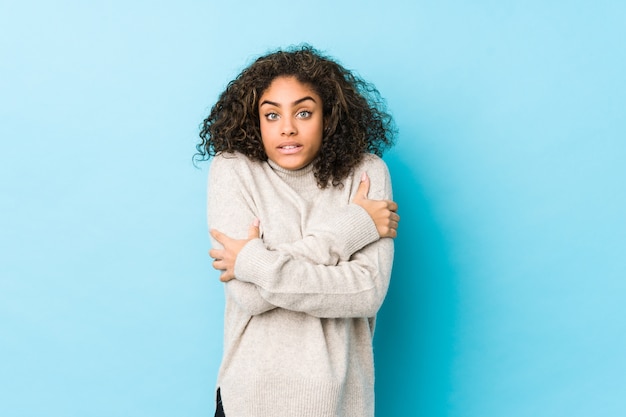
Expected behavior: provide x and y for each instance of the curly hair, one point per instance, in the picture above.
(355, 116)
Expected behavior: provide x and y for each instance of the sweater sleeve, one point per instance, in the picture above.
(353, 287)
(349, 229)
(229, 211)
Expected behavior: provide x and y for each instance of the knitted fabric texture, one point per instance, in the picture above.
(299, 317)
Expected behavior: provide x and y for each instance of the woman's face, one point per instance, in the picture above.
(292, 123)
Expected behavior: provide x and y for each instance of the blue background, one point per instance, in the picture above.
(508, 294)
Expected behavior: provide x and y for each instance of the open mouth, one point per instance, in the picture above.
(289, 148)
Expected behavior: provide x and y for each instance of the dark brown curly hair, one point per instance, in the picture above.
(355, 116)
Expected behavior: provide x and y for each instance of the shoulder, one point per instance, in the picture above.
(375, 168)
(378, 173)
(229, 160)
(232, 164)
(231, 171)
(373, 162)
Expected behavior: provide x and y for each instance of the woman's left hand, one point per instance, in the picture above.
(225, 258)
(382, 212)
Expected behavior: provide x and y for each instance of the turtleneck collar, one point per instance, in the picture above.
(299, 179)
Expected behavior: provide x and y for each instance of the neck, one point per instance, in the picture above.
(299, 179)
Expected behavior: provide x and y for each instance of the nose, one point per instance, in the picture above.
(288, 127)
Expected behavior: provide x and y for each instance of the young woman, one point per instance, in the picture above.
(300, 212)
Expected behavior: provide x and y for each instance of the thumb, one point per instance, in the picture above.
(253, 231)
(364, 186)
(217, 235)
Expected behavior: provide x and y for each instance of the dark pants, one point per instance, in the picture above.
(219, 411)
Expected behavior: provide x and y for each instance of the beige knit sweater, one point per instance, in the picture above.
(299, 317)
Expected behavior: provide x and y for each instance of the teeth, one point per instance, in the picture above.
(290, 147)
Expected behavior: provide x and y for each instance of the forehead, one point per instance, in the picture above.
(288, 89)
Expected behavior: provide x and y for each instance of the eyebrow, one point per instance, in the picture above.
(295, 103)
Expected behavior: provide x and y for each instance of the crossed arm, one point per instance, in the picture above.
(345, 276)
(382, 212)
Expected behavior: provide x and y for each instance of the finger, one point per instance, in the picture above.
(364, 186)
(253, 231)
(218, 264)
(393, 206)
(390, 232)
(217, 235)
(216, 253)
(226, 276)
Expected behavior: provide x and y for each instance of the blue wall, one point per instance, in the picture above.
(508, 292)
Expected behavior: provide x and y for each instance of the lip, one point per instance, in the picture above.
(288, 148)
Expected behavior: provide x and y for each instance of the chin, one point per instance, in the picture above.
(291, 164)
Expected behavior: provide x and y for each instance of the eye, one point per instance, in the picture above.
(304, 114)
(271, 116)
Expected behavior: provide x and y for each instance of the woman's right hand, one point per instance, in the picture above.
(382, 212)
